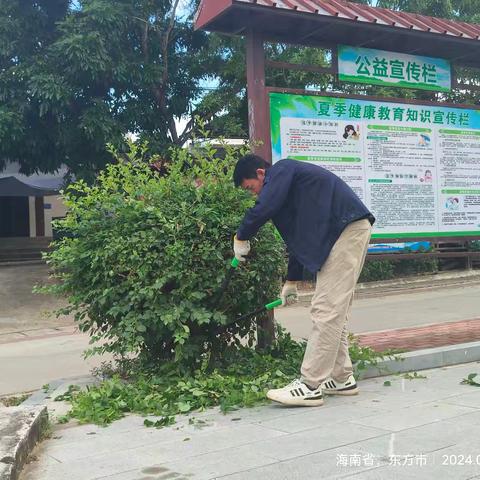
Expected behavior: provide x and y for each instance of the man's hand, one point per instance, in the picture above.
(289, 293)
(241, 248)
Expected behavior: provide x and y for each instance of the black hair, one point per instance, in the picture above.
(347, 128)
(247, 168)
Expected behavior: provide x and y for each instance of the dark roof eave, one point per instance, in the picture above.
(12, 187)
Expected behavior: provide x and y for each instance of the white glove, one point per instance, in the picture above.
(289, 293)
(241, 248)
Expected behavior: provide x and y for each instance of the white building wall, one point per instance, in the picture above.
(57, 209)
(31, 216)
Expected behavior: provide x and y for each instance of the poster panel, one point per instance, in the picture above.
(416, 167)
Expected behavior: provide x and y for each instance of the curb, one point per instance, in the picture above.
(46, 397)
(404, 284)
(21, 263)
(425, 359)
(20, 429)
(419, 279)
(16, 337)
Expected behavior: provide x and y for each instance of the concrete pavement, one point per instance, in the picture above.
(36, 347)
(423, 428)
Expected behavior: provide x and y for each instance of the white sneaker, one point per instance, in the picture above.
(332, 387)
(298, 394)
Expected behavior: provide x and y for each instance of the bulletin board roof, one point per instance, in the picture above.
(330, 22)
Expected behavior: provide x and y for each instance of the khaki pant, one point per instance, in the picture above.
(327, 348)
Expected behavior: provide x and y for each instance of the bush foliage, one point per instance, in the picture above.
(143, 255)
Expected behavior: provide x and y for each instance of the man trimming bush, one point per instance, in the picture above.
(327, 230)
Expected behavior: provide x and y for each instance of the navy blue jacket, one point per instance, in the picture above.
(310, 207)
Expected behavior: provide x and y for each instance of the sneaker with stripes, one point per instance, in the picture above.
(297, 394)
(332, 387)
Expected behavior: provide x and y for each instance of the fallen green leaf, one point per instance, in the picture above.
(470, 380)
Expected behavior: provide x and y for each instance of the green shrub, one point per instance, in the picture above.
(475, 245)
(142, 257)
(376, 270)
(405, 268)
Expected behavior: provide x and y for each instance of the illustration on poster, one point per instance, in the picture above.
(351, 133)
(452, 203)
(424, 140)
(427, 177)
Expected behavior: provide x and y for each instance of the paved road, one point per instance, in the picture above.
(396, 311)
(35, 349)
(20, 309)
(27, 365)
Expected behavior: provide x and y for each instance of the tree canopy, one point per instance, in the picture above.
(465, 10)
(75, 76)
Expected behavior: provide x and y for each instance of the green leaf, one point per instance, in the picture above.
(184, 407)
(239, 378)
(470, 380)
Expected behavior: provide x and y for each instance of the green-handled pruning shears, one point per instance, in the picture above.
(258, 311)
(265, 308)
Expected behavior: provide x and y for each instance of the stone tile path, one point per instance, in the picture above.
(418, 429)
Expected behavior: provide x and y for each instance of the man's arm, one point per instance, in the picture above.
(271, 199)
(295, 269)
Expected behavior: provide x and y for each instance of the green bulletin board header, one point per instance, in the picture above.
(379, 67)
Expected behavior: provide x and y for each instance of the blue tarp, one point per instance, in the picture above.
(398, 247)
